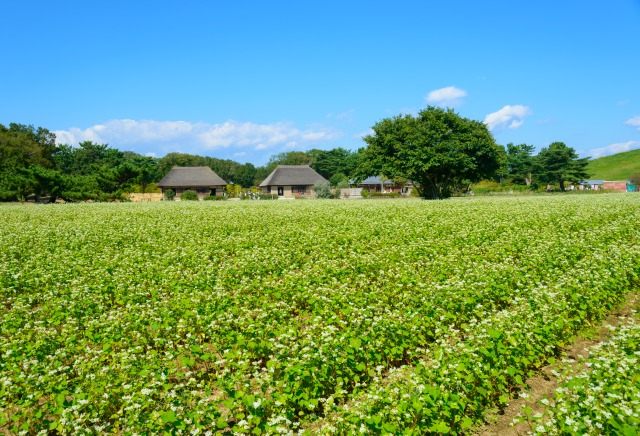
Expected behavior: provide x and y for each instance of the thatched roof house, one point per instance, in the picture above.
(290, 181)
(200, 179)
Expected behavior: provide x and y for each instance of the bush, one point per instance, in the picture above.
(150, 188)
(365, 193)
(323, 190)
(214, 198)
(170, 194)
(189, 195)
(337, 179)
(385, 194)
(267, 196)
(635, 179)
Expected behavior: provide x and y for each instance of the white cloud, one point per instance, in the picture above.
(234, 136)
(449, 96)
(634, 122)
(363, 134)
(346, 116)
(509, 116)
(614, 148)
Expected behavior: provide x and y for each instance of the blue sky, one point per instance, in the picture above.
(247, 79)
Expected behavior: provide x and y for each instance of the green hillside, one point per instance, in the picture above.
(615, 167)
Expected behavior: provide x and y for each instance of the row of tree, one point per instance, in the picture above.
(443, 153)
(32, 164)
(554, 164)
(439, 151)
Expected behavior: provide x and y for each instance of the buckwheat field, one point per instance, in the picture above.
(286, 317)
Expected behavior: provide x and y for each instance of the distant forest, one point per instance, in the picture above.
(32, 164)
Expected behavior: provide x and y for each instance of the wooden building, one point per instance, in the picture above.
(200, 179)
(291, 181)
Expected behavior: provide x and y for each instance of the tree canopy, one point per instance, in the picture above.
(23, 146)
(438, 150)
(559, 164)
(519, 163)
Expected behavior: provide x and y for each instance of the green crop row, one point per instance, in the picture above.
(603, 396)
(288, 317)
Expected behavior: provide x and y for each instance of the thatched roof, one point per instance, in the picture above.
(188, 177)
(287, 175)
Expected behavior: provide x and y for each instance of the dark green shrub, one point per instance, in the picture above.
(170, 194)
(338, 178)
(323, 190)
(189, 195)
(214, 198)
(385, 194)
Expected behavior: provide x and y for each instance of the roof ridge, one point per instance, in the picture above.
(282, 175)
(191, 176)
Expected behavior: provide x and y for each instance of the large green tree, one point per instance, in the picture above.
(559, 164)
(289, 158)
(438, 150)
(23, 146)
(520, 163)
(335, 161)
(26, 162)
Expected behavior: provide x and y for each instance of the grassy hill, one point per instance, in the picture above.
(615, 167)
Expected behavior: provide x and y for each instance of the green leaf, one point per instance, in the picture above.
(495, 334)
(221, 423)
(169, 417)
(466, 422)
(389, 427)
(441, 427)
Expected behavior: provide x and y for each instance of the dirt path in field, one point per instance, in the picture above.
(545, 383)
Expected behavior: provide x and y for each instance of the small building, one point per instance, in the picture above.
(374, 184)
(200, 179)
(609, 185)
(592, 184)
(291, 181)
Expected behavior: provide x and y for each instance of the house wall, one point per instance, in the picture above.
(616, 186)
(202, 191)
(387, 188)
(308, 191)
(351, 193)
